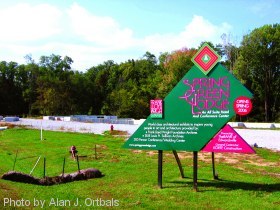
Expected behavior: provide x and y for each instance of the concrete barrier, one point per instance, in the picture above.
(254, 125)
(11, 119)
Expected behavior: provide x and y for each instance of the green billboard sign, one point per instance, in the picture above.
(194, 111)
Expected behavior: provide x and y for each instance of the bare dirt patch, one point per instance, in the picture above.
(248, 163)
(137, 151)
(231, 158)
(119, 133)
(4, 124)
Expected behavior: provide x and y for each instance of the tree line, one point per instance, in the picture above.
(51, 87)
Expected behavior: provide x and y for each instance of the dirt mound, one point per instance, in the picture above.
(25, 178)
(20, 177)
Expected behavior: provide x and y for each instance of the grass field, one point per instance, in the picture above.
(130, 181)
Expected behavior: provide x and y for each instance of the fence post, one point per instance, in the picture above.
(95, 152)
(63, 167)
(78, 163)
(44, 175)
(41, 131)
(15, 161)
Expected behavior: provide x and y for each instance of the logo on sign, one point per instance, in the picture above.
(206, 58)
(205, 94)
(156, 108)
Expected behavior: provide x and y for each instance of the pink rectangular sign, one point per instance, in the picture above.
(228, 140)
(156, 108)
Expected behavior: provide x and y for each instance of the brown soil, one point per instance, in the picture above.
(237, 160)
(119, 133)
(3, 124)
(26, 178)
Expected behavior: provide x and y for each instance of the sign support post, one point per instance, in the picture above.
(215, 176)
(160, 168)
(195, 171)
(179, 163)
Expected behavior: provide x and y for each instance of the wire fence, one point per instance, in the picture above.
(55, 164)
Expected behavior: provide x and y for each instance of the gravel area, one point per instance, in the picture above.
(72, 126)
(263, 138)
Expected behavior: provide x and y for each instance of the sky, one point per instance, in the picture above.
(94, 31)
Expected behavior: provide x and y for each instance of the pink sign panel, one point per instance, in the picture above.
(242, 105)
(156, 108)
(228, 140)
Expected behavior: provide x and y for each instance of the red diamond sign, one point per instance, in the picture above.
(206, 58)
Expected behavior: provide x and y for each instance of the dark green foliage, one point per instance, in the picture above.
(258, 65)
(12, 81)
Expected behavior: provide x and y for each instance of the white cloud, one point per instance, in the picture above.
(87, 38)
(24, 22)
(103, 31)
(198, 30)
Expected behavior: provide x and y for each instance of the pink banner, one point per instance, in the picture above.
(228, 140)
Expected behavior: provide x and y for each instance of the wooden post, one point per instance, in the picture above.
(179, 163)
(215, 176)
(195, 170)
(78, 163)
(15, 161)
(41, 130)
(63, 167)
(160, 168)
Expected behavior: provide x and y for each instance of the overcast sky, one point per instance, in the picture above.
(94, 31)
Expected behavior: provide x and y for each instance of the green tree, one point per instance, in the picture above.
(11, 84)
(133, 86)
(54, 86)
(30, 87)
(259, 67)
(174, 66)
(230, 52)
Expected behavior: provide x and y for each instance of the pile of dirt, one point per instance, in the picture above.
(25, 178)
(20, 177)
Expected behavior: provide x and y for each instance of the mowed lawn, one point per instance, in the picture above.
(130, 176)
